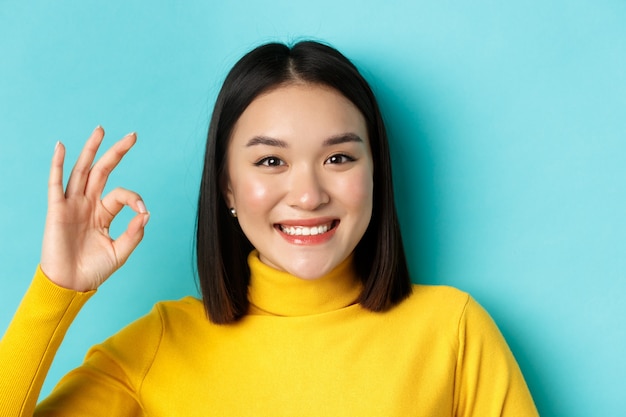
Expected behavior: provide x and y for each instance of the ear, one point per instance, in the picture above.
(228, 194)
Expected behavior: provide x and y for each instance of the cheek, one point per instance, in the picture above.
(357, 190)
(252, 194)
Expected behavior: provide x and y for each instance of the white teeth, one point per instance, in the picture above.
(304, 231)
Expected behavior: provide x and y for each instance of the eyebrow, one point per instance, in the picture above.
(333, 140)
(264, 140)
(343, 138)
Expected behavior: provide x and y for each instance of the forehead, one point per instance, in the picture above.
(297, 110)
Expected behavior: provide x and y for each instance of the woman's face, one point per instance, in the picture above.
(300, 176)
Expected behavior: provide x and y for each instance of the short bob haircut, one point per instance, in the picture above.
(221, 246)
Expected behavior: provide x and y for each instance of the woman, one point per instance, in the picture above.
(301, 265)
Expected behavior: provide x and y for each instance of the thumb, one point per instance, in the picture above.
(126, 243)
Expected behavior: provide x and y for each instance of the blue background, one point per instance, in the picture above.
(508, 130)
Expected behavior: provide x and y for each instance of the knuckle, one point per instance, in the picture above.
(125, 193)
(101, 171)
(79, 170)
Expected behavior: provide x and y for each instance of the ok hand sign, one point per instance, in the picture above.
(77, 251)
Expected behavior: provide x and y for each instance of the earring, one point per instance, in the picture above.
(233, 212)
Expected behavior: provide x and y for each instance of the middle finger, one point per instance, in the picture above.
(80, 172)
(104, 166)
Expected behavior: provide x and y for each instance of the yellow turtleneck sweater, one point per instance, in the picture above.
(305, 349)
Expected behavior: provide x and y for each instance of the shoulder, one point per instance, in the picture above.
(185, 307)
(131, 353)
(179, 316)
(438, 293)
(165, 316)
(139, 342)
(452, 308)
(436, 299)
(444, 305)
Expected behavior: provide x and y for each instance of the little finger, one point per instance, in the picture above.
(55, 180)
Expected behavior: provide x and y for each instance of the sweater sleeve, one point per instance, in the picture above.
(489, 381)
(110, 380)
(32, 340)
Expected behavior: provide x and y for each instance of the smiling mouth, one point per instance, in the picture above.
(308, 231)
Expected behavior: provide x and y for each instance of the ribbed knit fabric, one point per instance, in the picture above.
(29, 345)
(305, 349)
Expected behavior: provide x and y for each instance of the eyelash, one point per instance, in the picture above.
(345, 158)
(273, 161)
(266, 161)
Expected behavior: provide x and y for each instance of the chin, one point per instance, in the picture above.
(311, 269)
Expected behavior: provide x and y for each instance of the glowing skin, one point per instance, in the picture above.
(300, 176)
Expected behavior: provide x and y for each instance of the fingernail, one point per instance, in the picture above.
(141, 206)
(146, 217)
(57, 145)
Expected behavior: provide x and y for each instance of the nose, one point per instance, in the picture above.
(306, 189)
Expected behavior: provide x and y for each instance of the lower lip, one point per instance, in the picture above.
(308, 240)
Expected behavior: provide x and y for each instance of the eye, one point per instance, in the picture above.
(270, 161)
(339, 159)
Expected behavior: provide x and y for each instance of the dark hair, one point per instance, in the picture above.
(221, 246)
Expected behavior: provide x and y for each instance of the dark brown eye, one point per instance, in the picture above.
(270, 161)
(339, 159)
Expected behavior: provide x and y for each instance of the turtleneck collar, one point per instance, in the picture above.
(278, 293)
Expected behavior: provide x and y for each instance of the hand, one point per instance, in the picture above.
(77, 251)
